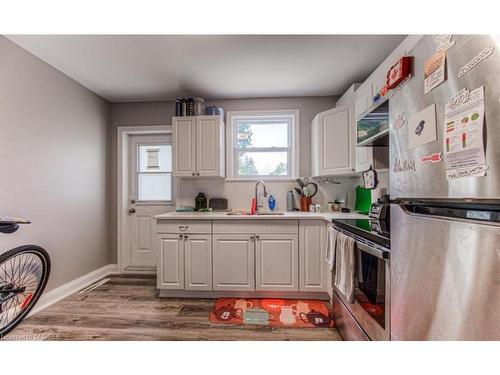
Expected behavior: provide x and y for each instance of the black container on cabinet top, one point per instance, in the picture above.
(190, 107)
(178, 107)
(200, 202)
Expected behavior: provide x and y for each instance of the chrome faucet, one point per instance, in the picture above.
(256, 199)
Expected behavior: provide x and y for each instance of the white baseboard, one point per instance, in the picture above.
(59, 293)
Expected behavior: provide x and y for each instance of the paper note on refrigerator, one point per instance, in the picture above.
(463, 137)
(434, 71)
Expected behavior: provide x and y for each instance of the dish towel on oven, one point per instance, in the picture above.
(331, 240)
(345, 266)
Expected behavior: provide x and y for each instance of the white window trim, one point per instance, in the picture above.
(294, 142)
(139, 202)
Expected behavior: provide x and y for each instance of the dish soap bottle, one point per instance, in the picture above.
(271, 202)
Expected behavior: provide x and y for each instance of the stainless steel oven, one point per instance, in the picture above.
(368, 316)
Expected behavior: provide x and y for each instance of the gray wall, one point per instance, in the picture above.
(53, 164)
(160, 113)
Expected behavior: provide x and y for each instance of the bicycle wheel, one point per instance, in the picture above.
(24, 272)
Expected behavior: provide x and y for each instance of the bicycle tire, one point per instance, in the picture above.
(46, 264)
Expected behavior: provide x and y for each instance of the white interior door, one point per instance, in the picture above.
(150, 193)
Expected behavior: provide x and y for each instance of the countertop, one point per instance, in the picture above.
(296, 215)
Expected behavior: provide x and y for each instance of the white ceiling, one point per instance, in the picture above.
(162, 67)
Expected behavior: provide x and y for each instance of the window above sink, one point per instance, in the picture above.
(263, 145)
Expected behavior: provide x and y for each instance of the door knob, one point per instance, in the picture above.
(131, 211)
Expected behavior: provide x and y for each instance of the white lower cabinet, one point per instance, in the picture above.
(198, 261)
(233, 262)
(238, 256)
(185, 262)
(171, 262)
(312, 248)
(276, 259)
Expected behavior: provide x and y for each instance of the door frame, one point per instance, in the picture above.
(124, 133)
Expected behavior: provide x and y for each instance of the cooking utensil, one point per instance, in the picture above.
(299, 192)
(308, 186)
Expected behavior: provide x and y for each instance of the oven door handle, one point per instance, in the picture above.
(381, 254)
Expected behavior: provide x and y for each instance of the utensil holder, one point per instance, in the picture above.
(305, 202)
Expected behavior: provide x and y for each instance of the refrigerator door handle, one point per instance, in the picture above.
(486, 215)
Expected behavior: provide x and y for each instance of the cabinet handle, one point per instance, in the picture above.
(185, 237)
(193, 174)
(183, 227)
(180, 236)
(252, 238)
(257, 237)
(197, 173)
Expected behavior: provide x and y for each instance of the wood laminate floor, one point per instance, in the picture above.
(126, 308)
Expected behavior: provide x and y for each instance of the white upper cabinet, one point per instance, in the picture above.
(198, 146)
(332, 151)
(364, 98)
(364, 158)
(184, 148)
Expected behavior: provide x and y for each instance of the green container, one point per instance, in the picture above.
(363, 200)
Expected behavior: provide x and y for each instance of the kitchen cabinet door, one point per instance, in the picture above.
(209, 146)
(364, 98)
(379, 78)
(276, 259)
(171, 263)
(198, 261)
(233, 262)
(184, 146)
(312, 248)
(364, 158)
(334, 140)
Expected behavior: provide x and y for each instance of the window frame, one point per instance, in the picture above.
(137, 172)
(293, 115)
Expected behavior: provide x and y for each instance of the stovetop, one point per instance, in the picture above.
(374, 230)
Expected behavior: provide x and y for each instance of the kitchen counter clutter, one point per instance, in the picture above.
(295, 215)
(216, 254)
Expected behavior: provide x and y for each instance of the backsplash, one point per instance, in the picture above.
(240, 193)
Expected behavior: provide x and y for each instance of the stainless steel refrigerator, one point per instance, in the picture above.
(445, 233)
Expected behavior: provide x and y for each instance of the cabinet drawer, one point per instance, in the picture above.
(184, 226)
(256, 226)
